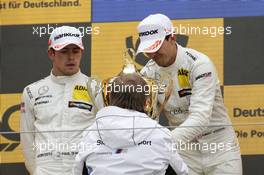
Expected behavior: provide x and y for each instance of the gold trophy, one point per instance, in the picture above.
(153, 108)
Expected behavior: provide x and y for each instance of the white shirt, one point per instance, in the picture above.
(127, 142)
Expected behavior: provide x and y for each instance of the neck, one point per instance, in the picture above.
(173, 57)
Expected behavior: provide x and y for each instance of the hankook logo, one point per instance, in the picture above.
(66, 35)
(146, 33)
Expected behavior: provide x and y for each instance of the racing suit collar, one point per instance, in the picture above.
(64, 79)
(178, 61)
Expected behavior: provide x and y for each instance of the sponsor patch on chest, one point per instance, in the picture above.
(80, 105)
(183, 78)
(80, 93)
(185, 92)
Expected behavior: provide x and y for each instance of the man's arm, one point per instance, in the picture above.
(204, 85)
(79, 162)
(176, 161)
(178, 165)
(27, 136)
(86, 148)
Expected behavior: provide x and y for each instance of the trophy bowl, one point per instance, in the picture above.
(100, 89)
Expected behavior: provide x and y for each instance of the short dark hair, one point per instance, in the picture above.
(52, 50)
(124, 98)
(167, 37)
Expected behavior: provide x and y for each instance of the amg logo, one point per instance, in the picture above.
(66, 34)
(152, 32)
(45, 96)
(41, 102)
(80, 88)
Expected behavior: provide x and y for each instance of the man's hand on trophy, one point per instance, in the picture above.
(94, 88)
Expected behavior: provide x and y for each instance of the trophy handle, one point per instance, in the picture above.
(94, 89)
(165, 84)
(167, 96)
(106, 83)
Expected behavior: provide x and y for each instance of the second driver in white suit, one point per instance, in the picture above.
(204, 135)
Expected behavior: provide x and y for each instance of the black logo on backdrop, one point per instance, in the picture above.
(5, 127)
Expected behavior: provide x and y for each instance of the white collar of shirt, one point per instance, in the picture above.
(64, 79)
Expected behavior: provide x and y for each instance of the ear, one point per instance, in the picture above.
(173, 38)
(51, 54)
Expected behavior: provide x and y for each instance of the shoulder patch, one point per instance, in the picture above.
(204, 75)
(190, 55)
(29, 93)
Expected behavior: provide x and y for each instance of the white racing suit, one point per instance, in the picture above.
(55, 110)
(205, 137)
(127, 142)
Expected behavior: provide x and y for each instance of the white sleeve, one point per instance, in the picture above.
(87, 147)
(175, 160)
(204, 83)
(178, 164)
(27, 136)
(79, 162)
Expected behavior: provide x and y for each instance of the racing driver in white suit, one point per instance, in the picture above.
(57, 108)
(204, 135)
